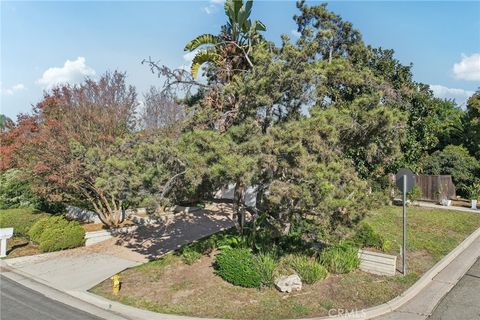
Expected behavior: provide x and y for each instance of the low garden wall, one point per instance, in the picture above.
(377, 263)
(82, 215)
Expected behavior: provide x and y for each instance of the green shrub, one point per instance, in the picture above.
(15, 192)
(21, 219)
(367, 237)
(342, 258)
(265, 264)
(56, 233)
(37, 229)
(190, 256)
(237, 266)
(309, 270)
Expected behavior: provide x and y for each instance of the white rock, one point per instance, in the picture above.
(289, 283)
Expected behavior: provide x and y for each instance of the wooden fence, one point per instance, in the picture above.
(435, 188)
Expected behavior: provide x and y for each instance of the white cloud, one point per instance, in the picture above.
(210, 9)
(213, 6)
(71, 72)
(188, 57)
(468, 68)
(13, 89)
(295, 33)
(460, 95)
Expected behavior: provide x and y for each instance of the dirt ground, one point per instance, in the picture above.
(171, 286)
(19, 247)
(167, 285)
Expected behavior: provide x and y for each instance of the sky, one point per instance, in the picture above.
(47, 43)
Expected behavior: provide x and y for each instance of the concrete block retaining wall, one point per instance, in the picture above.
(377, 263)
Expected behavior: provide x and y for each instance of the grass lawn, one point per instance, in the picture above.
(21, 219)
(168, 285)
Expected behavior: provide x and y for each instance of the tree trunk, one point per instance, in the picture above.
(239, 195)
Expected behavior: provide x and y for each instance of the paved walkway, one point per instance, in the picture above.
(437, 206)
(153, 241)
(463, 301)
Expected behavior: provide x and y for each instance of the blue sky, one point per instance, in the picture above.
(43, 43)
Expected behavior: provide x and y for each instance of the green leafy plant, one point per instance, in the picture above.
(237, 266)
(16, 192)
(308, 269)
(230, 241)
(190, 256)
(367, 237)
(415, 194)
(473, 190)
(342, 258)
(265, 264)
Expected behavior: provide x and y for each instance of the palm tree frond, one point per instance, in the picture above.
(259, 26)
(202, 57)
(201, 40)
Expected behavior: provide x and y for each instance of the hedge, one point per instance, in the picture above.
(237, 266)
(57, 233)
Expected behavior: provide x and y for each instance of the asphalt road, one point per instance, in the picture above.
(463, 301)
(18, 302)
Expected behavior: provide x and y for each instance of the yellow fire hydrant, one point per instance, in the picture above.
(115, 284)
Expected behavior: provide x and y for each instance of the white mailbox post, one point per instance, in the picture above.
(5, 233)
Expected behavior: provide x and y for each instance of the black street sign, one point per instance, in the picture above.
(410, 179)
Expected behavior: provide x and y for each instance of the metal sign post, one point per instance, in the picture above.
(405, 181)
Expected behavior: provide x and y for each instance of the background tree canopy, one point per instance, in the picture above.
(315, 125)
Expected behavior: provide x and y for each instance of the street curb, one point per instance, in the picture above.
(126, 310)
(369, 313)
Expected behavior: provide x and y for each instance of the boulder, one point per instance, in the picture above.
(289, 283)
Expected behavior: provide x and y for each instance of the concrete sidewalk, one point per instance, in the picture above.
(437, 206)
(420, 307)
